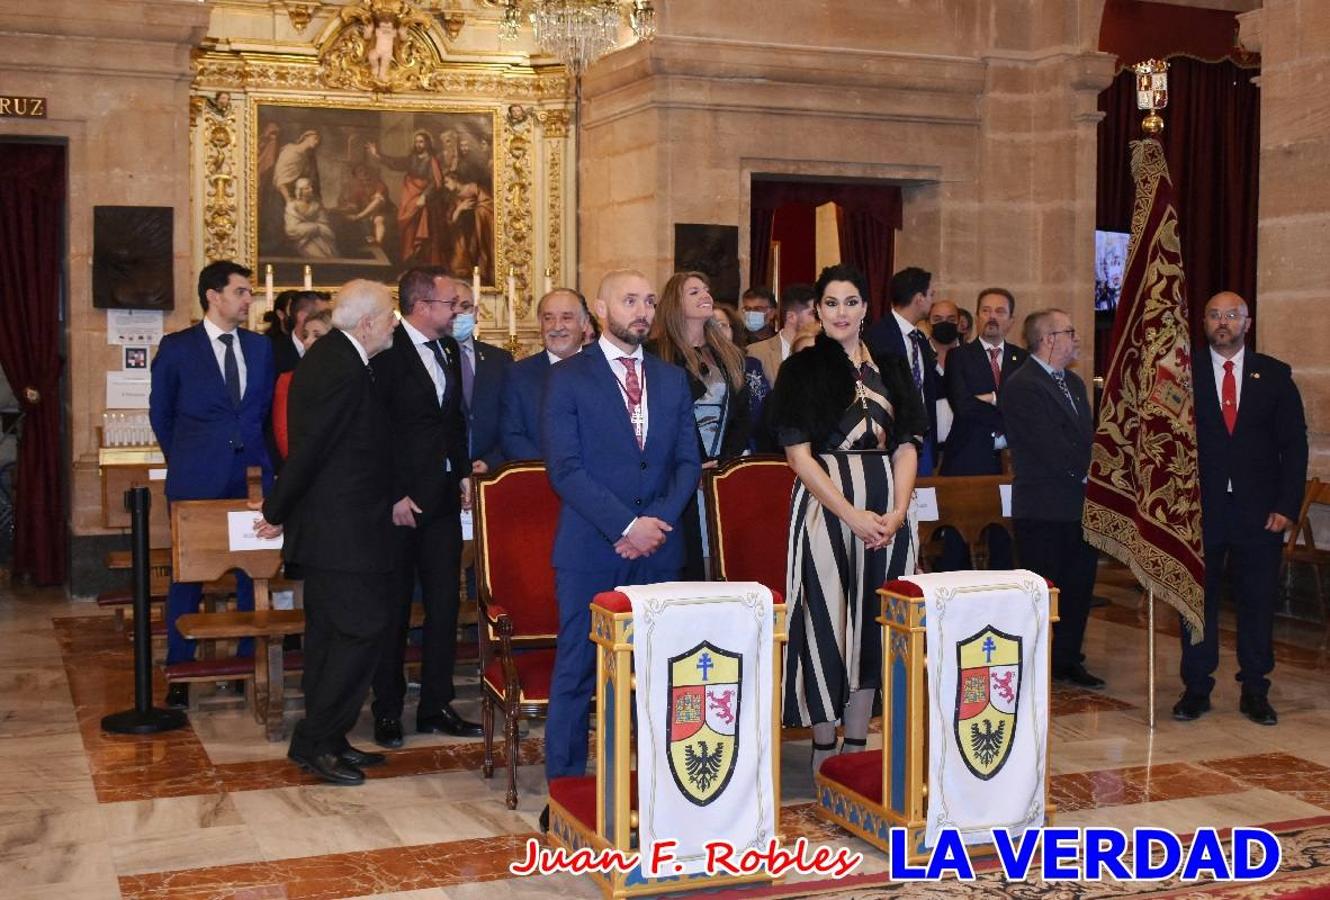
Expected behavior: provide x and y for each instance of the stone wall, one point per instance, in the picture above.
(1293, 273)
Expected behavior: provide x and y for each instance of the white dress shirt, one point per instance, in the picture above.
(300, 347)
(613, 353)
(436, 374)
(219, 351)
(784, 346)
(911, 348)
(554, 357)
(360, 348)
(468, 348)
(1217, 363)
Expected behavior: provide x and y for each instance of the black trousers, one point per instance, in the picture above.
(1254, 574)
(345, 615)
(432, 553)
(1057, 551)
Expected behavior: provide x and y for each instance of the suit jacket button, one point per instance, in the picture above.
(644, 467)
(637, 502)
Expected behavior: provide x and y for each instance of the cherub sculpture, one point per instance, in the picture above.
(381, 36)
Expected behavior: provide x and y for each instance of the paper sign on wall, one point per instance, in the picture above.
(134, 326)
(128, 390)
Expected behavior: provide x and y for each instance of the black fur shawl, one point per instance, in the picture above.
(816, 385)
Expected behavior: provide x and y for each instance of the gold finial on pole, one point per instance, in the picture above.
(1151, 93)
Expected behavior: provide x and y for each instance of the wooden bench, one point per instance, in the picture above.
(969, 504)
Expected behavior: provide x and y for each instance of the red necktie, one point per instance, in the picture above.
(1229, 397)
(633, 388)
(993, 353)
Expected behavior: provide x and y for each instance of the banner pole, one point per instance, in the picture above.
(1150, 651)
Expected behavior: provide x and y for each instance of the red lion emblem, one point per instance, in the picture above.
(1002, 684)
(721, 704)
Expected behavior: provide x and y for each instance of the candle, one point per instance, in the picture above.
(267, 285)
(512, 303)
(475, 285)
(549, 281)
(309, 278)
(775, 270)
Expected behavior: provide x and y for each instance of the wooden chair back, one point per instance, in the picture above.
(748, 519)
(200, 542)
(970, 504)
(1301, 535)
(516, 515)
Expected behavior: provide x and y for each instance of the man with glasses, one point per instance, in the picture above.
(1050, 429)
(1251, 439)
(421, 379)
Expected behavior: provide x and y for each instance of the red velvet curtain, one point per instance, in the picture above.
(1212, 142)
(867, 215)
(759, 251)
(32, 213)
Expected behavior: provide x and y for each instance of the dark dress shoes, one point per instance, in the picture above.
(177, 696)
(328, 766)
(1079, 676)
(545, 820)
(1190, 707)
(388, 733)
(1257, 708)
(361, 759)
(447, 721)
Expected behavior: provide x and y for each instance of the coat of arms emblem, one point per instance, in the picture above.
(704, 710)
(988, 685)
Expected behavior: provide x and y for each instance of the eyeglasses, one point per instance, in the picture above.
(1070, 331)
(451, 304)
(1225, 315)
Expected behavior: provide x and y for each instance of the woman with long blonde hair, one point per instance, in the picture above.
(686, 334)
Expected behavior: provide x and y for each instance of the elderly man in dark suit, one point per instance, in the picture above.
(421, 378)
(334, 499)
(562, 316)
(1251, 438)
(1050, 428)
(621, 447)
(896, 334)
(212, 388)
(484, 368)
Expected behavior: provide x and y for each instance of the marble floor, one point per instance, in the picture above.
(213, 810)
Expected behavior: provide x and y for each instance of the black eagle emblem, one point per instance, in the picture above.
(703, 767)
(987, 743)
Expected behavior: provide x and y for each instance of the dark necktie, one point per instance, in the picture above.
(917, 358)
(1230, 397)
(993, 354)
(443, 368)
(632, 386)
(1061, 378)
(230, 368)
(468, 373)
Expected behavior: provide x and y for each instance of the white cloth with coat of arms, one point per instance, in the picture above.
(702, 655)
(987, 639)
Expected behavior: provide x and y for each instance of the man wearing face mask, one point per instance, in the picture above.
(974, 378)
(944, 336)
(796, 317)
(758, 306)
(484, 368)
(563, 318)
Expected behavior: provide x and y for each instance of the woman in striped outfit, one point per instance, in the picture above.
(850, 423)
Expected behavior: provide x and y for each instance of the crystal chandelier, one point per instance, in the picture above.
(578, 32)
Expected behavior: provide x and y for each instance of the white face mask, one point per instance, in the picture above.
(755, 320)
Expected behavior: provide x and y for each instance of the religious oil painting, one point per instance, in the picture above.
(365, 192)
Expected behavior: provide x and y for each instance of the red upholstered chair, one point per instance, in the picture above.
(516, 514)
(748, 519)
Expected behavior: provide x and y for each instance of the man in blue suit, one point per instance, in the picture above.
(1251, 446)
(212, 388)
(621, 450)
(562, 318)
(911, 292)
(484, 368)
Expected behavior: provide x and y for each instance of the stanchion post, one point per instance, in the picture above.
(143, 718)
(1150, 662)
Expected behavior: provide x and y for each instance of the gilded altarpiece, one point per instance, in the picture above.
(358, 163)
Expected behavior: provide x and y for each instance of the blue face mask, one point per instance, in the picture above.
(464, 324)
(755, 320)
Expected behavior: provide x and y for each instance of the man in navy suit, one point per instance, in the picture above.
(621, 449)
(1251, 440)
(212, 388)
(1050, 427)
(974, 377)
(911, 292)
(484, 367)
(563, 317)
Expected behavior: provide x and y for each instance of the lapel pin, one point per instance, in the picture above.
(1255, 374)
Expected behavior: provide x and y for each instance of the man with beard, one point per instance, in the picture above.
(1251, 443)
(420, 224)
(620, 445)
(975, 373)
(562, 318)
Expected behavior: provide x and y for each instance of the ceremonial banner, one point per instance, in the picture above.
(1143, 498)
(987, 644)
(702, 655)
